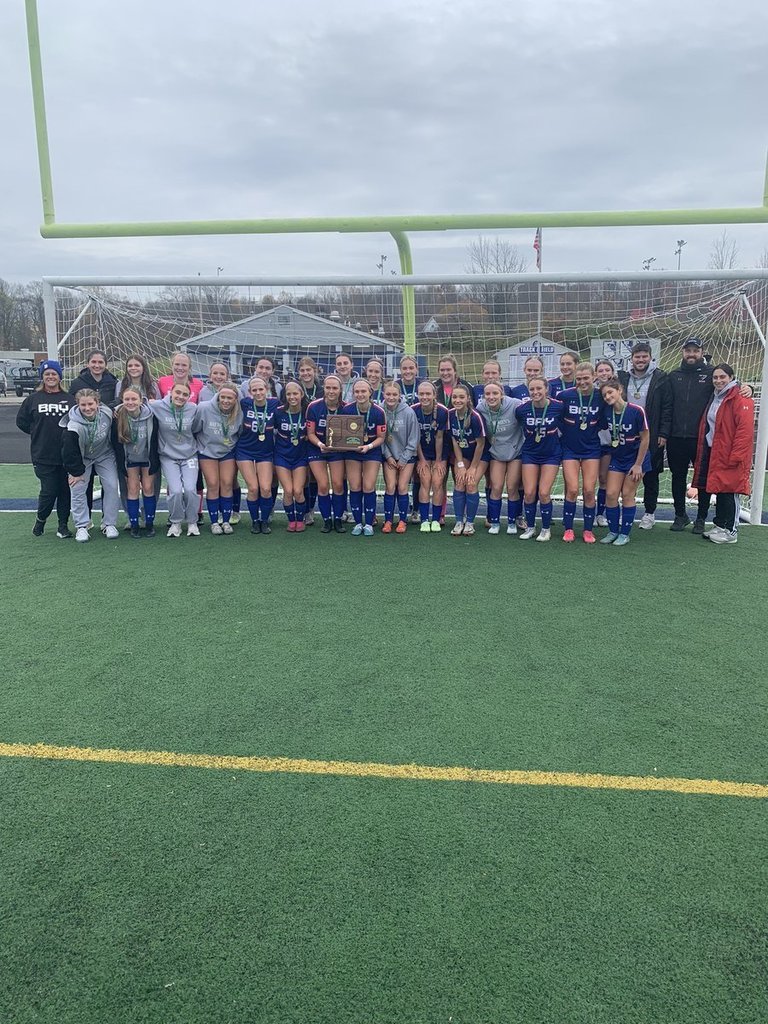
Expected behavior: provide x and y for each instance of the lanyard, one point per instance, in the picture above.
(261, 412)
(178, 419)
(133, 426)
(92, 426)
(409, 396)
(493, 424)
(463, 425)
(367, 418)
(225, 425)
(616, 428)
(391, 420)
(541, 429)
(295, 427)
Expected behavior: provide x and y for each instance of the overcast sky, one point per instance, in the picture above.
(184, 109)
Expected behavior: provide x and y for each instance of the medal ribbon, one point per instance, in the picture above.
(541, 430)
(616, 428)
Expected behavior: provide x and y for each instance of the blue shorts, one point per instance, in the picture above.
(137, 465)
(622, 463)
(224, 458)
(315, 455)
(605, 449)
(290, 463)
(374, 456)
(245, 457)
(569, 456)
(540, 460)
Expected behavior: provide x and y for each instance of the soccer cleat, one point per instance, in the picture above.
(309, 519)
(150, 531)
(609, 538)
(544, 534)
(601, 521)
(367, 530)
(724, 537)
(493, 529)
(414, 517)
(193, 530)
(425, 527)
(347, 517)
(63, 532)
(387, 527)
(621, 540)
(357, 530)
(234, 518)
(82, 535)
(111, 532)
(327, 526)
(338, 525)
(37, 529)
(434, 526)
(569, 536)
(511, 528)
(135, 533)
(521, 523)
(527, 533)
(266, 528)
(458, 529)
(300, 526)
(646, 523)
(216, 529)
(487, 523)
(291, 528)
(227, 528)
(698, 527)
(680, 524)
(469, 529)
(401, 527)
(588, 537)
(255, 526)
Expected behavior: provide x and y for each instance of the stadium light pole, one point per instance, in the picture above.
(218, 295)
(679, 253)
(381, 268)
(647, 266)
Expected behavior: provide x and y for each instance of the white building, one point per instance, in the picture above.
(513, 358)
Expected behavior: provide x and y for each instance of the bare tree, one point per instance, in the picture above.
(494, 256)
(724, 254)
(762, 259)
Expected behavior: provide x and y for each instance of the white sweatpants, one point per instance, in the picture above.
(181, 475)
(106, 468)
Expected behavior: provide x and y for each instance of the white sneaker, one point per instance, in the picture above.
(111, 532)
(646, 523)
(216, 529)
(493, 529)
(710, 533)
(458, 529)
(193, 530)
(309, 519)
(234, 518)
(527, 533)
(227, 528)
(601, 521)
(414, 517)
(520, 522)
(512, 529)
(724, 537)
(82, 534)
(544, 534)
(174, 530)
(469, 529)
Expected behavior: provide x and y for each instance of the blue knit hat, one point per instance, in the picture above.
(50, 364)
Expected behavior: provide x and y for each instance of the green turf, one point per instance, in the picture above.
(282, 898)
(18, 482)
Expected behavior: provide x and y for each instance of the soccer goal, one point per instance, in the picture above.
(474, 318)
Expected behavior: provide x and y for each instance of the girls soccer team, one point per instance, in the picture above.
(515, 439)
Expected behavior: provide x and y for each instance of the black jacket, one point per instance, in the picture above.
(39, 417)
(119, 448)
(691, 389)
(105, 387)
(658, 412)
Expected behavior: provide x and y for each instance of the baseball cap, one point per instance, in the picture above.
(692, 343)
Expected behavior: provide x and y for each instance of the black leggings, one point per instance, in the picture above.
(54, 490)
(725, 504)
(681, 455)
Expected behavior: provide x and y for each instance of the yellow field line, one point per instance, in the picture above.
(367, 769)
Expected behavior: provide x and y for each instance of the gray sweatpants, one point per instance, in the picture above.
(106, 468)
(181, 476)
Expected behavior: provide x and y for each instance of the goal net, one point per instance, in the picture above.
(473, 318)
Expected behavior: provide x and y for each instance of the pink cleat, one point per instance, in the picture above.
(300, 526)
(569, 536)
(291, 528)
(589, 537)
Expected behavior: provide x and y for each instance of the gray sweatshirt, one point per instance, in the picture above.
(714, 408)
(402, 433)
(216, 435)
(94, 436)
(505, 434)
(175, 443)
(142, 427)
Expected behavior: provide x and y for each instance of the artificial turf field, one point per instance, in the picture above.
(165, 893)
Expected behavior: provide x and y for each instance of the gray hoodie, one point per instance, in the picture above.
(216, 436)
(402, 435)
(714, 408)
(142, 426)
(94, 436)
(175, 443)
(505, 435)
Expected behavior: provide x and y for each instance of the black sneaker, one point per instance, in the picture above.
(255, 527)
(327, 526)
(698, 527)
(266, 528)
(200, 519)
(150, 530)
(63, 532)
(680, 524)
(136, 533)
(339, 526)
(37, 529)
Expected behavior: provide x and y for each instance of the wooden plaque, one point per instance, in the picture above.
(345, 433)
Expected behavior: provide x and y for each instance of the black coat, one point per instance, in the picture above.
(691, 388)
(105, 387)
(39, 417)
(658, 412)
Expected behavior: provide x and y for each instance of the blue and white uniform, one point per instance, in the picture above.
(317, 414)
(377, 395)
(256, 441)
(410, 392)
(520, 391)
(580, 424)
(468, 432)
(375, 426)
(625, 429)
(290, 437)
(429, 426)
(541, 433)
(557, 385)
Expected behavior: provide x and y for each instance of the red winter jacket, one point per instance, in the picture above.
(730, 462)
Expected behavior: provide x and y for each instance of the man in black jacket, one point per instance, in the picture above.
(648, 387)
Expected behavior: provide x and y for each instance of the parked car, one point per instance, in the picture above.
(24, 379)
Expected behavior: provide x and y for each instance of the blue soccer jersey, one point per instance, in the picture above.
(625, 429)
(429, 426)
(410, 392)
(520, 391)
(541, 431)
(377, 396)
(580, 423)
(375, 420)
(290, 433)
(257, 438)
(467, 431)
(478, 392)
(558, 385)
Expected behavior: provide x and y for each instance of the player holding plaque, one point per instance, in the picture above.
(363, 464)
(323, 462)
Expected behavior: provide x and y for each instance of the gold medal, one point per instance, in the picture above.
(261, 437)
(295, 441)
(614, 444)
(583, 425)
(463, 444)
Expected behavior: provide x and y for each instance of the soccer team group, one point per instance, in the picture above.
(509, 442)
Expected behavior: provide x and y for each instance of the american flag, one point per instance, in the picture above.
(537, 247)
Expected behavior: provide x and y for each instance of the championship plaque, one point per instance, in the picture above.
(344, 433)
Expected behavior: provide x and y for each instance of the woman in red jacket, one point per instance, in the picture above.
(724, 454)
